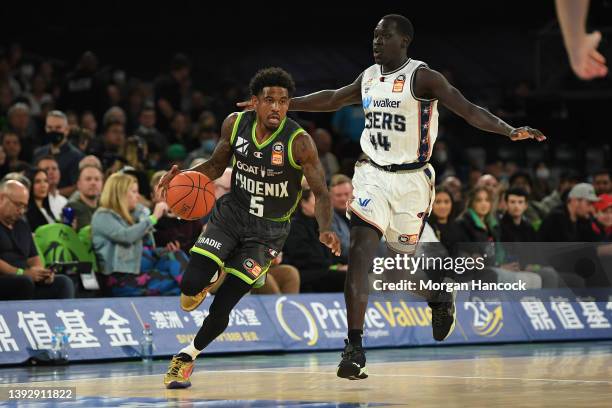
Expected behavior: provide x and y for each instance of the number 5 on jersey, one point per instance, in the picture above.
(257, 207)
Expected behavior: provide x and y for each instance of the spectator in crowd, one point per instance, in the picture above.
(56, 200)
(39, 212)
(38, 95)
(489, 182)
(22, 275)
(341, 192)
(180, 132)
(318, 272)
(571, 222)
(541, 184)
(603, 216)
(206, 134)
(66, 155)
(20, 122)
(454, 186)
(442, 220)
(168, 90)
(514, 229)
(474, 229)
(89, 187)
(83, 88)
(440, 159)
(567, 180)
(80, 138)
(323, 141)
(90, 160)
(156, 140)
(11, 146)
(533, 215)
(348, 124)
(601, 182)
(89, 122)
(112, 145)
(119, 227)
(113, 115)
(170, 228)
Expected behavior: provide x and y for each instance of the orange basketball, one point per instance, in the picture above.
(191, 195)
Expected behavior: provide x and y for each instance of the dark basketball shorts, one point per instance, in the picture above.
(242, 244)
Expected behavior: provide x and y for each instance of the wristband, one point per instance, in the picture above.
(333, 267)
(153, 219)
(20, 271)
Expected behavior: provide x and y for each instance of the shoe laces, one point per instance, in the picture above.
(175, 367)
(350, 350)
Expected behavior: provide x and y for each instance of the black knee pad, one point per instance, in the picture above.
(200, 270)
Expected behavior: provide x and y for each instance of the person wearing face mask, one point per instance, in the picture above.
(208, 136)
(65, 153)
(541, 185)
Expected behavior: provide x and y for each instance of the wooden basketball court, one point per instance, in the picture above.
(528, 375)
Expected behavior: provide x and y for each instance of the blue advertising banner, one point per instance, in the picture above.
(112, 328)
(561, 315)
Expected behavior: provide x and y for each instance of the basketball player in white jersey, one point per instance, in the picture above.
(394, 187)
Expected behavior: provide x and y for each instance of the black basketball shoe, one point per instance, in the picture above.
(353, 363)
(443, 318)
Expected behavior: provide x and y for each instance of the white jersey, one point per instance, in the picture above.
(399, 127)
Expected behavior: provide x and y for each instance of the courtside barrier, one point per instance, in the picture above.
(112, 328)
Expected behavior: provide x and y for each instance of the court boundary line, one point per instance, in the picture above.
(331, 372)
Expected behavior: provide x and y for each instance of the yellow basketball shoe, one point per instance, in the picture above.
(179, 371)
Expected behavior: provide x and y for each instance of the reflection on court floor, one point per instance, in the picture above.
(538, 375)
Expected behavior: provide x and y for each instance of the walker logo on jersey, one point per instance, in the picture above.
(242, 146)
(488, 316)
(299, 315)
(277, 154)
(363, 202)
(406, 239)
(377, 103)
(258, 154)
(252, 267)
(398, 84)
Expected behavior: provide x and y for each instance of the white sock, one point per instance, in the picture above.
(191, 350)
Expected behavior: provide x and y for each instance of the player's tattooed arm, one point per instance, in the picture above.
(213, 168)
(329, 100)
(305, 153)
(430, 84)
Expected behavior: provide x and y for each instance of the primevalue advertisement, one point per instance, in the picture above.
(112, 328)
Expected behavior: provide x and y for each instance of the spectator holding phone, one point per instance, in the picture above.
(22, 275)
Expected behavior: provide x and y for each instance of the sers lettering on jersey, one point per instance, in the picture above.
(399, 127)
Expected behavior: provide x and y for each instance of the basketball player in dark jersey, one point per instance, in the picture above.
(249, 225)
(391, 92)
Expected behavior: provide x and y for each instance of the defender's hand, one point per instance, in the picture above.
(331, 240)
(526, 132)
(246, 105)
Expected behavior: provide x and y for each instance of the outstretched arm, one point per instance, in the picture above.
(430, 84)
(305, 153)
(328, 100)
(213, 168)
(323, 101)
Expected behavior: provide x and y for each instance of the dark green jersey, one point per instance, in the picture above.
(266, 180)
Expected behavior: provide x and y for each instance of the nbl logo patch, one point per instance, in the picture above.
(252, 267)
(406, 239)
(278, 158)
(398, 84)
